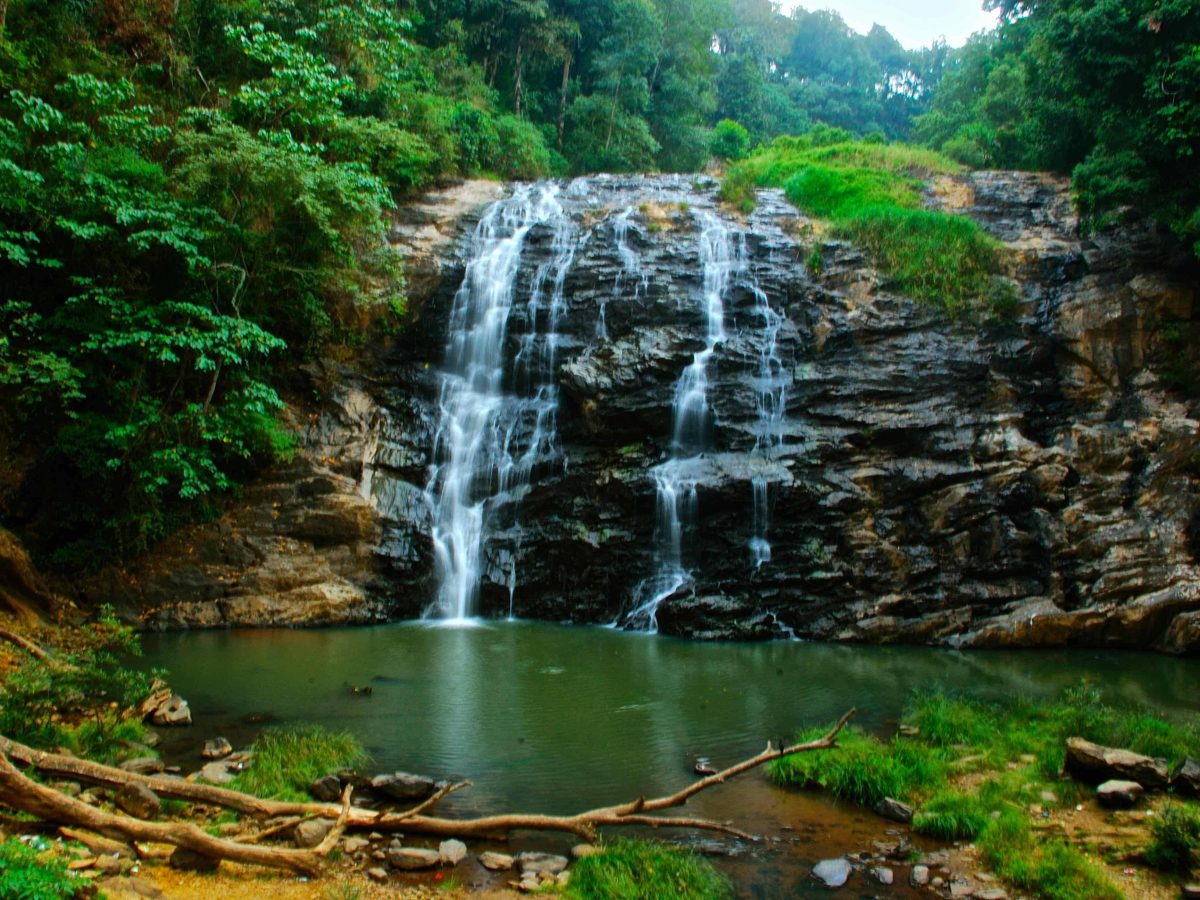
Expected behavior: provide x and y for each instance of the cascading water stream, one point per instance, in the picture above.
(676, 506)
(770, 397)
(489, 441)
(631, 269)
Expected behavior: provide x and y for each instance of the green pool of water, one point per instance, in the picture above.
(558, 718)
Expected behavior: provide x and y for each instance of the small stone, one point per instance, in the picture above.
(540, 863)
(355, 844)
(563, 878)
(893, 809)
(583, 851)
(883, 875)
(991, 893)
(191, 861)
(143, 765)
(85, 862)
(960, 889)
(174, 711)
(138, 800)
(495, 862)
(452, 852)
(374, 837)
(310, 833)
(216, 772)
(327, 789)
(217, 748)
(832, 872)
(919, 877)
(1049, 797)
(410, 858)
(986, 877)
(937, 881)
(1117, 794)
(377, 874)
(1191, 891)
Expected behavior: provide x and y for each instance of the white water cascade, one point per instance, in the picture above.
(491, 437)
(631, 269)
(770, 397)
(676, 506)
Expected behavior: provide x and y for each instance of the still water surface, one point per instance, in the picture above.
(559, 718)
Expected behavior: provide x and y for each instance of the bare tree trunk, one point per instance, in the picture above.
(517, 77)
(562, 98)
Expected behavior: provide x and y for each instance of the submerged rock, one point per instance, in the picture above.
(404, 786)
(832, 872)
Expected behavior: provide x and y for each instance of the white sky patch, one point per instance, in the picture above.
(914, 23)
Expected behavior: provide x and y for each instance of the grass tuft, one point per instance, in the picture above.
(644, 870)
(872, 193)
(1175, 839)
(286, 761)
(26, 874)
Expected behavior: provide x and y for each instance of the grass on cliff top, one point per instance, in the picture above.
(645, 870)
(974, 769)
(285, 761)
(871, 193)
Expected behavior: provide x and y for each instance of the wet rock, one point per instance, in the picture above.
(138, 800)
(832, 872)
(174, 711)
(452, 852)
(327, 789)
(403, 786)
(1116, 794)
(145, 765)
(893, 809)
(191, 861)
(311, 832)
(495, 862)
(411, 858)
(217, 748)
(919, 877)
(1093, 763)
(540, 863)
(1185, 779)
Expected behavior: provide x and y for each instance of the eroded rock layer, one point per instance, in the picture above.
(1027, 482)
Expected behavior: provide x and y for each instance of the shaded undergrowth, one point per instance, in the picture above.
(872, 195)
(974, 770)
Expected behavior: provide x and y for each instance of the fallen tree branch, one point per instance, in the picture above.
(25, 644)
(25, 795)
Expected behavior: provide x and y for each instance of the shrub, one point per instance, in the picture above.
(1175, 838)
(26, 874)
(729, 141)
(642, 870)
(287, 760)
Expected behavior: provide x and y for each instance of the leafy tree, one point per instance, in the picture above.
(729, 141)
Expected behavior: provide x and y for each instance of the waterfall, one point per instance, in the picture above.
(491, 439)
(676, 507)
(631, 269)
(770, 397)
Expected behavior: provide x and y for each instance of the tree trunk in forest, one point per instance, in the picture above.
(517, 78)
(562, 99)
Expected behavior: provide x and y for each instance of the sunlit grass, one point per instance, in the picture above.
(644, 870)
(284, 762)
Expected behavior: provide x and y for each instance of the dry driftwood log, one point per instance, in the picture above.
(21, 793)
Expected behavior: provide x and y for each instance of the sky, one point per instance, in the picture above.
(914, 23)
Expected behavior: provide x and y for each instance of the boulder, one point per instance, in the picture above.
(893, 809)
(217, 748)
(1117, 794)
(404, 786)
(1185, 779)
(832, 872)
(1093, 763)
(172, 711)
(190, 861)
(310, 833)
(138, 800)
(327, 789)
(410, 858)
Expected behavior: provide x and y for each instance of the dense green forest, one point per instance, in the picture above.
(194, 193)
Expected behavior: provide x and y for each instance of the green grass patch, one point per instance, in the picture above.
(644, 870)
(872, 194)
(286, 761)
(1175, 839)
(27, 874)
(1013, 755)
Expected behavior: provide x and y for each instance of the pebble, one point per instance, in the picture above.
(452, 851)
(377, 874)
(833, 872)
(884, 875)
(495, 862)
(919, 876)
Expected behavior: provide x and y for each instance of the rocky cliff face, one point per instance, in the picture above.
(1029, 482)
